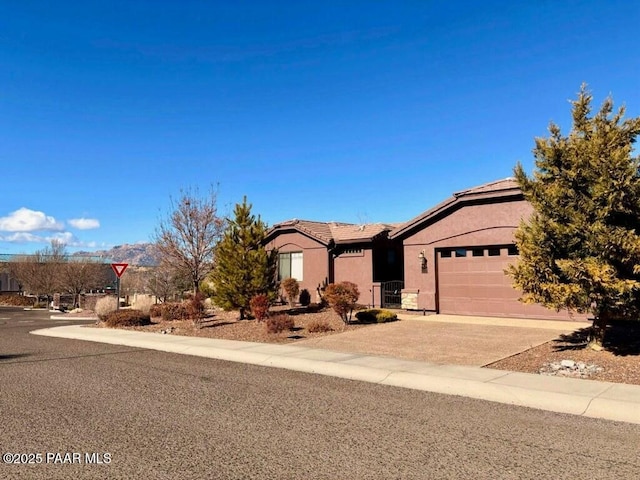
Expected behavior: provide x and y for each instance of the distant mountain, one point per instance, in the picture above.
(142, 254)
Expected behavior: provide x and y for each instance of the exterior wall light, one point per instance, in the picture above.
(423, 261)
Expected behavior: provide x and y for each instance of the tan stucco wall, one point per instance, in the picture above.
(315, 259)
(357, 268)
(471, 225)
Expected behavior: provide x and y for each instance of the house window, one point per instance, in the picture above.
(512, 250)
(478, 252)
(445, 254)
(290, 265)
(494, 252)
(461, 252)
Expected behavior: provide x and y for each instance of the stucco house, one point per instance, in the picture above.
(455, 254)
(319, 253)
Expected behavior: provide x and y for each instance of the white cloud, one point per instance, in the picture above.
(22, 237)
(66, 238)
(84, 223)
(26, 220)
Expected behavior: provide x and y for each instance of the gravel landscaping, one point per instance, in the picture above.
(619, 363)
(225, 325)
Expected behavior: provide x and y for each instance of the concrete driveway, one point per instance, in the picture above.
(447, 339)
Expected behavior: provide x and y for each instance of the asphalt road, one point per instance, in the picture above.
(148, 415)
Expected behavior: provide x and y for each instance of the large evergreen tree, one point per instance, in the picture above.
(581, 248)
(243, 267)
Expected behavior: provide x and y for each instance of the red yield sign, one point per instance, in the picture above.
(119, 268)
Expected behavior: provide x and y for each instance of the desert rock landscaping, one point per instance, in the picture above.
(618, 363)
(225, 325)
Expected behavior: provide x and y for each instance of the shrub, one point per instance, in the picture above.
(174, 311)
(127, 318)
(375, 315)
(319, 326)
(155, 310)
(342, 297)
(316, 307)
(259, 305)
(305, 298)
(15, 300)
(292, 288)
(195, 307)
(279, 323)
(105, 305)
(143, 303)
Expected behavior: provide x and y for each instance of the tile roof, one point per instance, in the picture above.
(353, 233)
(318, 230)
(338, 232)
(495, 186)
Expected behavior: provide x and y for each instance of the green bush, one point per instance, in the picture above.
(319, 326)
(127, 318)
(376, 315)
(259, 305)
(291, 288)
(279, 323)
(342, 297)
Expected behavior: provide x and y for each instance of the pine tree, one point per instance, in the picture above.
(581, 248)
(243, 267)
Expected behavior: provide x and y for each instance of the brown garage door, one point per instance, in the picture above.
(471, 281)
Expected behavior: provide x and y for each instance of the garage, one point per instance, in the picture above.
(471, 281)
(455, 255)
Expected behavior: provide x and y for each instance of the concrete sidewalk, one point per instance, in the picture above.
(578, 397)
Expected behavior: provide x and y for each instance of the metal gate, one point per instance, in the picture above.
(391, 294)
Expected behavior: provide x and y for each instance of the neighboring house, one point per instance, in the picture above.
(8, 284)
(455, 254)
(319, 253)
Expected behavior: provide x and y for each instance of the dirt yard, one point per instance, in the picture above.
(620, 363)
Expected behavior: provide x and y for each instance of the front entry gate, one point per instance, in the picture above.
(391, 294)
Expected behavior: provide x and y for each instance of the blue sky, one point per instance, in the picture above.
(349, 111)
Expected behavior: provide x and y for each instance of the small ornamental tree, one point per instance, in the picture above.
(187, 238)
(291, 288)
(342, 297)
(580, 250)
(243, 267)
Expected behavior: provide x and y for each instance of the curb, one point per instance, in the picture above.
(605, 400)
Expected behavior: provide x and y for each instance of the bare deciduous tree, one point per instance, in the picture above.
(39, 273)
(164, 282)
(78, 275)
(187, 238)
